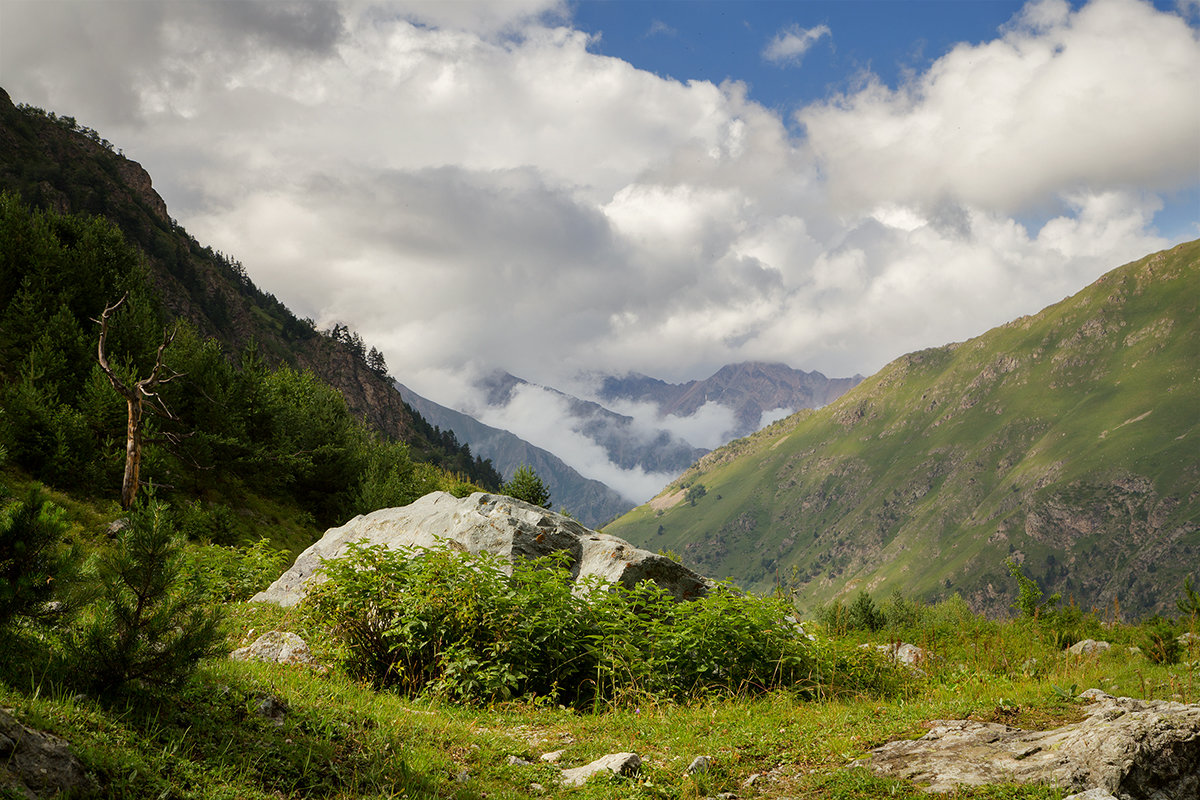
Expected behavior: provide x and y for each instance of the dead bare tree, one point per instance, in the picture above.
(135, 399)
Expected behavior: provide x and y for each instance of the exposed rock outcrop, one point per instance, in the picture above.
(487, 523)
(37, 764)
(1133, 749)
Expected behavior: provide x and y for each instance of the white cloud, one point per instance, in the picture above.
(473, 188)
(537, 415)
(1095, 99)
(789, 45)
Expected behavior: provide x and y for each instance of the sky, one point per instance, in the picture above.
(560, 189)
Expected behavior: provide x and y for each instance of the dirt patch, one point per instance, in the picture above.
(667, 501)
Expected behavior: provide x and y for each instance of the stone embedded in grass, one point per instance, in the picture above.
(699, 765)
(902, 652)
(1132, 748)
(1088, 647)
(617, 763)
(277, 647)
(34, 763)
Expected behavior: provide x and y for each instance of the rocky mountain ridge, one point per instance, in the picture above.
(750, 389)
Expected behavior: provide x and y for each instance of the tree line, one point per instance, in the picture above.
(235, 423)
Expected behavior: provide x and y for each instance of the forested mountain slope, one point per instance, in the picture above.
(1067, 441)
(51, 162)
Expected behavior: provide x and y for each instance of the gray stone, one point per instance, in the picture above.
(1088, 647)
(517, 761)
(1133, 749)
(699, 765)
(902, 652)
(553, 757)
(1093, 794)
(617, 763)
(37, 764)
(277, 647)
(488, 523)
(272, 708)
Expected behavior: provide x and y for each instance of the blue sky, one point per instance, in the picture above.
(559, 189)
(714, 41)
(889, 39)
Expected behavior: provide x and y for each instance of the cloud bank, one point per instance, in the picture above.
(472, 187)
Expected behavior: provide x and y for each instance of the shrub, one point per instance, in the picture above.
(526, 485)
(232, 574)
(149, 624)
(1159, 641)
(445, 623)
(34, 563)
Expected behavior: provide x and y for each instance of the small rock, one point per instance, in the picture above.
(616, 763)
(1092, 794)
(698, 766)
(1087, 647)
(552, 758)
(754, 780)
(536, 788)
(902, 652)
(463, 776)
(517, 761)
(278, 647)
(273, 709)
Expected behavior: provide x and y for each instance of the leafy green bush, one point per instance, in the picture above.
(448, 624)
(445, 623)
(223, 574)
(149, 623)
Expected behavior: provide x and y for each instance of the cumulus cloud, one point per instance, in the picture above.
(789, 46)
(472, 187)
(1099, 98)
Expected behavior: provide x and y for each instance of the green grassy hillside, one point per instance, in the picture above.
(1067, 441)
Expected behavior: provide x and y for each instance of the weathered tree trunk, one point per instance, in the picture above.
(135, 398)
(133, 452)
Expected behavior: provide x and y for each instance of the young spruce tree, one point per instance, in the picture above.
(149, 624)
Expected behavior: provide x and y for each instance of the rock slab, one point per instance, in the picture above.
(616, 763)
(1132, 749)
(489, 523)
(37, 764)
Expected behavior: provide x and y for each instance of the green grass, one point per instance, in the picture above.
(340, 739)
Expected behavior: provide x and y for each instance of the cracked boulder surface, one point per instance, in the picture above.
(1133, 749)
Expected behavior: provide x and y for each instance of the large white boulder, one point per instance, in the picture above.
(489, 523)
